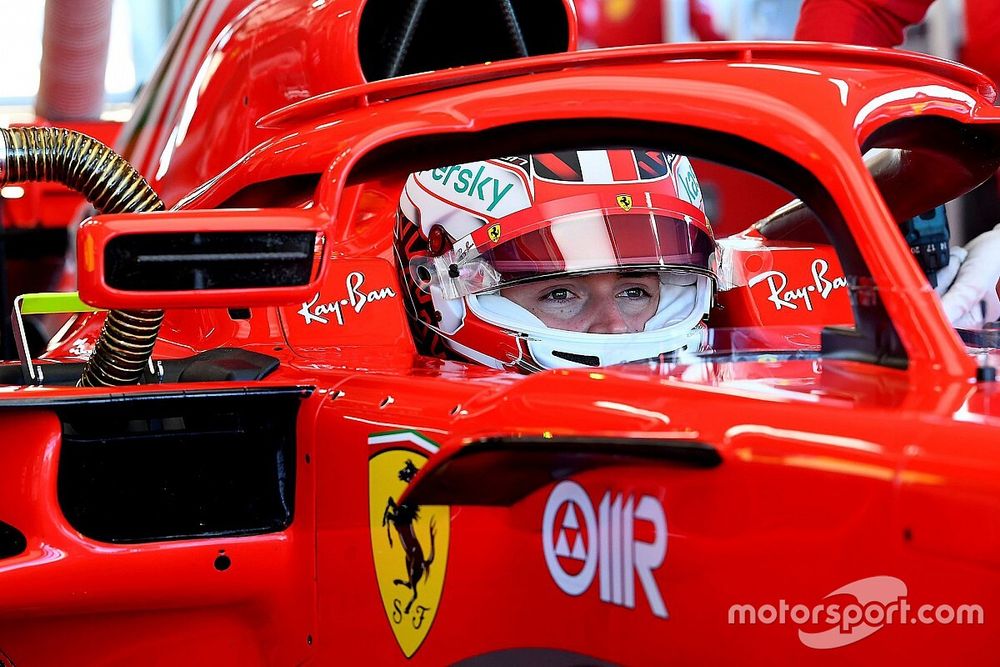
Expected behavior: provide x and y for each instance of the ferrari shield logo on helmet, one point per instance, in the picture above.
(625, 202)
(409, 542)
(494, 233)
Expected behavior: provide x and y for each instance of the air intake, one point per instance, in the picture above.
(397, 38)
(161, 261)
(179, 466)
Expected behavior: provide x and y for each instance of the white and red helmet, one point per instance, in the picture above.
(466, 231)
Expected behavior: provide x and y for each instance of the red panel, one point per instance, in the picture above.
(736, 199)
(359, 303)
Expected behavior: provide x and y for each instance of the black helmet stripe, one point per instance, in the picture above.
(652, 164)
(563, 166)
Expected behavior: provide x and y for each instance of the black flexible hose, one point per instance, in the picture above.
(405, 36)
(112, 185)
(514, 28)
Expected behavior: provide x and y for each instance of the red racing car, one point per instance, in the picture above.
(323, 423)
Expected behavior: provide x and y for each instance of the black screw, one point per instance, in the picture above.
(222, 562)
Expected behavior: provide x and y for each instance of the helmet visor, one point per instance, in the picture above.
(577, 243)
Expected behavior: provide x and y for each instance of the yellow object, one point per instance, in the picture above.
(44, 303)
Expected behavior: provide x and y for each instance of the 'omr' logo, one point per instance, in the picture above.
(409, 542)
(625, 202)
(579, 542)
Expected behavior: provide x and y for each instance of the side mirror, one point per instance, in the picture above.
(199, 259)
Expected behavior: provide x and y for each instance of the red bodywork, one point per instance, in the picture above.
(591, 515)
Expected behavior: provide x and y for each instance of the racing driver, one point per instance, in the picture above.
(590, 258)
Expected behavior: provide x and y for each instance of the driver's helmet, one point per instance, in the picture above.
(466, 232)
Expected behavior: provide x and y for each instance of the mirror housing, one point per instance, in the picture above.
(199, 259)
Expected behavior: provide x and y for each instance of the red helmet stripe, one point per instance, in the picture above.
(623, 165)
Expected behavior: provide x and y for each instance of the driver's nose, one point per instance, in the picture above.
(607, 318)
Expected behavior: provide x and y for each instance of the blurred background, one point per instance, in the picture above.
(127, 36)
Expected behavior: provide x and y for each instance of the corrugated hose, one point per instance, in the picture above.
(111, 185)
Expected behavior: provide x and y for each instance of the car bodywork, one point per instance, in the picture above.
(308, 487)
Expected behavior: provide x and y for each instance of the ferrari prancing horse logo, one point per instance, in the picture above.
(409, 542)
(494, 233)
(625, 202)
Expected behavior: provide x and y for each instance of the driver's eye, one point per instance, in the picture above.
(635, 293)
(560, 294)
